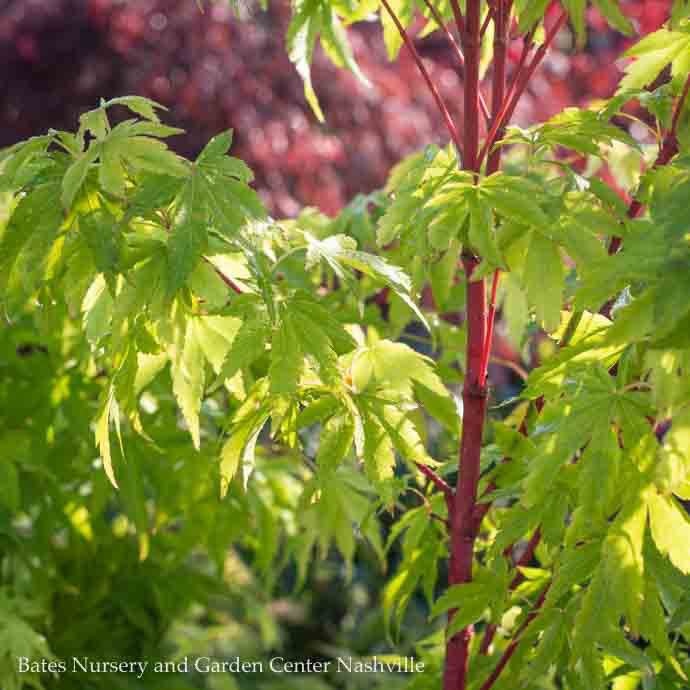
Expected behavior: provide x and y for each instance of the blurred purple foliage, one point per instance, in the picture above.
(214, 71)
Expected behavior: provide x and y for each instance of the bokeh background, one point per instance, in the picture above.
(223, 67)
(227, 67)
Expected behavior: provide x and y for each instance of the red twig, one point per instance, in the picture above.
(526, 557)
(527, 45)
(463, 532)
(512, 646)
(471, 47)
(226, 279)
(444, 521)
(457, 50)
(498, 83)
(491, 317)
(427, 77)
(679, 107)
(487, 19)
(500, 15)
(520, 85)
(457, 16)
(528, 554)
(669, 148)
(439, 483)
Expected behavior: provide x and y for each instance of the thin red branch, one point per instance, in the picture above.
(463, 532)
(471, 50)
(498, 83)
(524, 560)
(457, 50)
(527, 45)
(520, 85)
(500, 15)
(668, 149)
(487, 20)
(226, 279)
(512, 646)
(457, 16)
(439, 483)
(491, 317)
(679, 107)
(444, 521)
(427, 77)
(527, 556)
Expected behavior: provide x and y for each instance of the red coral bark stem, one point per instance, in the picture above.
(440, 103)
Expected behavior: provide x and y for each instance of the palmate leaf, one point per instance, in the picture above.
(335, 442)
(623, 563)
(425, 189)
(22, 162)
(287, 358)
(131, 146)
(515, 198)
(104, 239)
(336, 44)
(544, 278)
(188, 237)
(420, 566)
(187, 370)
(216, 336)
(338, 252)
(248, 344)
(223, 183)
(109, 410)
(32, 227)
(394, 367)
(565, 426)
(469, 600)
(652, 54)
(300, 41)
(530, 12)
(609, 9)
(75, 176)
(379, 453)
(139, 105)
(238, 452)
(345, 499)
(314, 20)
(578, 129)
(670, 529)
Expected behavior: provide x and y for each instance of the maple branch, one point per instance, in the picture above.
(463, 526)
(498, 82)
(438, 482)
(679, 107)
(509, 364)
(457, 50)
(491, 317)
(512, 646)
(226, 279)
(520, 85)
(457, 16)
(445, 522)
(525, 558)
(427, 77)
(668, 149)
(487, 20)
(527, 45)
(463, 532)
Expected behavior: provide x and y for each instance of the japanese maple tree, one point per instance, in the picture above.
(551, 537)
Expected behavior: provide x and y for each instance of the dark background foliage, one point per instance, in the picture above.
(215, 71)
